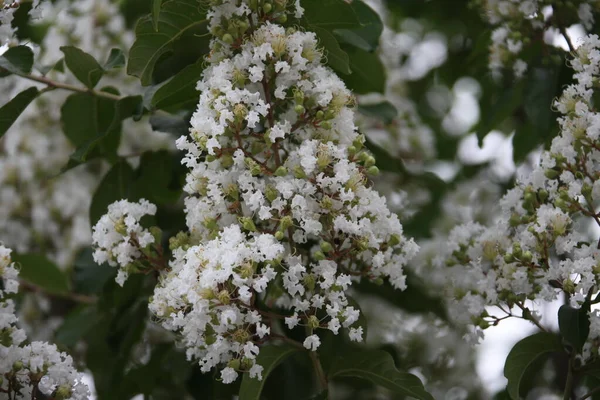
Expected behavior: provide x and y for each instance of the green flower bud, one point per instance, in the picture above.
(527, 257)
(551, 173)
(299, 109)
(509, 258)
(319, 255)
(281, 171)
(235, 364)
(271, 193)
(378, 281)
(394, 240)
(286, 222)
(326, 125)
(569, 286)
(320, 114)
(326, 247)
(267, 7)
(240, 336)
(309, 281)
(17, 366)
(543, 195)
(207, 293)
(373, 170)
(326, 203)
(279, 235)
(299, 172)
(247, 223)
(210, 158)
(227, 38)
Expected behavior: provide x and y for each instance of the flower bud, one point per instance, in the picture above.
(235, 364)
(309, 281)
(313, 322)
(63, 392)
(281, 171)
(227, 38)
(279, 235)
(299, 109)
(267, 7)
(247, 223)
(319, 256)
(286, 222)
(326, 247)
(373, 170)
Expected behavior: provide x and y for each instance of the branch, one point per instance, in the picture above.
(76, 297)
(59, 85)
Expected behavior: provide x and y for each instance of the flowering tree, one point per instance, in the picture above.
(276, 198)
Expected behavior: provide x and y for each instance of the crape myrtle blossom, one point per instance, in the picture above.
(279, 208)
(28, 370)
(518, 23)
(121, 241)
(541, 247)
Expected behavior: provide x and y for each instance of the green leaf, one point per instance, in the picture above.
(330, 14)
(524, 354)
(368, 74)
(385, 111)
(574, 324)
(173, 124)
(365, 37)
(180, 91)
(85, 67)
(156, 181)
(38, 270)
(116, 59)
(76, 325)
(497, 105)
(11, 110)
(88, 276)
(91, 121)
(115, 186)
(540, 121)
(155, 13)
(176, 17)
(269, 357)
(336, 57)
(16, 60)
(378, 367)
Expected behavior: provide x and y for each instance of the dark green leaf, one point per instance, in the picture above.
(76, 325)
(330, 14)
(574, 324)
(90, 122)
(17, 60)
(180, 91)
(115, 186)
(498, 104)
(155, 13)
(385, 111)
(11, 110)
(38, 270)
(89, 277)
(524, 354)
(170, 124)
(157, 180)
(368, 74)
(378, 367)
(176, 17)
(116, 59)
(85, 67)
(336, 57)
(365, 37)
(269, 357)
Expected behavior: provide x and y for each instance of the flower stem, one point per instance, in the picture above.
(59, 85)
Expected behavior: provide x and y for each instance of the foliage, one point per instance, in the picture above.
(125, 142)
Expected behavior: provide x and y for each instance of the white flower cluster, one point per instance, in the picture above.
(280, 212)
(541, 247)
(26, 371)
(519, 22)
(120, 240)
